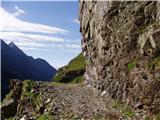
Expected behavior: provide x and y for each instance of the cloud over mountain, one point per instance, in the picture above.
(33, 36)
(13, 24)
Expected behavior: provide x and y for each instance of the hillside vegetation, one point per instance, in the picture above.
(73, 72)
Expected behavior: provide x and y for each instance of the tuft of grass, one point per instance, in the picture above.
(27, 93)
(10, 118)
(146, 118)
(99, 117)
(34, 114)
(131, 65)
(128, 112)
(46, 116)
(155, 63)
(28, 84)
(115, 104)
(157, 116)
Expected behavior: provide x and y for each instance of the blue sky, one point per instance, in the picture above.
(48, 30)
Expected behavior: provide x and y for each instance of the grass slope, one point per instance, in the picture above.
(75, 65)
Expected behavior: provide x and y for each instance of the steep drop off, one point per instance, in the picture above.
(15, 64)
(121, 44)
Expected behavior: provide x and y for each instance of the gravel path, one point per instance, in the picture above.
(70, 102)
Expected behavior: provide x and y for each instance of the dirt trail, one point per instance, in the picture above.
(70, 102)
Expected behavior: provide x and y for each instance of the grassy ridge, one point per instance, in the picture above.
(75, 65)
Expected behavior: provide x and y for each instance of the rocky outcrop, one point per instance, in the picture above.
(121, 44)
(10, 104)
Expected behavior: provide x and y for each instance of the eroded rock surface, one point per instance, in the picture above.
(121, 44)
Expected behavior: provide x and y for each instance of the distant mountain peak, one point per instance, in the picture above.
(17, 65)
(2, 42)
(13, 45)
(16, 48)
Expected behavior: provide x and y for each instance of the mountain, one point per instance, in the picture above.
(73, 72)
(12, 45)
(16, 64)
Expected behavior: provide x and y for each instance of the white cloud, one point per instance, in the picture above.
(15, 36)
(11, 23)
(45, 47)
(66, 45)
(31, 48)
(18, 11)
(76, 46)
(29, 44)
(76, 21)
(33, 36)
(39, 41)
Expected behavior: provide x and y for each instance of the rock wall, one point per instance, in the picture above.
(121, 44)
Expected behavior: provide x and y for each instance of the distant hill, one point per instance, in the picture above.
(15, 64)
(73, 72)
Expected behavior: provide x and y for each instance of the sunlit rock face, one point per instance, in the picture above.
(121, 44)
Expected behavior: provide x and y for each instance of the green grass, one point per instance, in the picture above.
(131, 65)
(57, 84)
(157, 116)
(116, 104)
(128, 112)
(28, 84)
(155, 63)
(78, 63)
(77, 79)
(99, 117)
(27, 93)
(10, 118)
(146, 118)
(46, 116)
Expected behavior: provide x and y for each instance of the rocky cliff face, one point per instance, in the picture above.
(121, 44)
